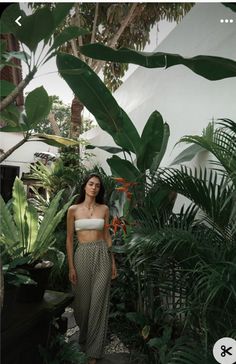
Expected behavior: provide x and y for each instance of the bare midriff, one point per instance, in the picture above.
(86, 236)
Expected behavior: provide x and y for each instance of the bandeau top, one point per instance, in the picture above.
(89, 224)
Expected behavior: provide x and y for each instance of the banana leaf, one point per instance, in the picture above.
(88, 87)
(151, 141)
(210, 67)
(123, 168)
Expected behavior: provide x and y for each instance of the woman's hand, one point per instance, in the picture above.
(72, 275)
(113, 270)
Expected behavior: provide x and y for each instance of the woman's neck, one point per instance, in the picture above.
(89, 202)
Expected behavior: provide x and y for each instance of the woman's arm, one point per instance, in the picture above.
(70, 245)
(109, 243)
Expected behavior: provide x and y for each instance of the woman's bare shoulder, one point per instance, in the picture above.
(104, 207)
(73, 208)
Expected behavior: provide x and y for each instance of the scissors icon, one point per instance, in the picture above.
(225, 351)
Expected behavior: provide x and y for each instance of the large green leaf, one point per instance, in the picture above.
(210, 67)
(123, 168)
(113, 150)
(33, 224)
(158, 158)
(7, 227)
(35, 28)
(8, 17)
(6, 87)
(59, 12)
(55, 140)
(19, 204)
(88, 87)
(151, 141)
(50, 221)
(37, 105)
(66, 35)
(124, 55)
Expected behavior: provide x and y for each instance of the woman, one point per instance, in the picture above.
(92, 266)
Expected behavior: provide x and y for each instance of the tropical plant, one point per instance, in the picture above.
(186, 264)
(25, 234)
(37, 103)
(116, 25)
(59, 351)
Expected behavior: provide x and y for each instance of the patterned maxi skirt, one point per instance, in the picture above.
(91, 304)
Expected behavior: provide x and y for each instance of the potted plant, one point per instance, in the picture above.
(28, 237)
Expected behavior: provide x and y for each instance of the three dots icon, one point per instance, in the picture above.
(227, 20)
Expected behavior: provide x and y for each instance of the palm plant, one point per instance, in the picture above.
(189, 258)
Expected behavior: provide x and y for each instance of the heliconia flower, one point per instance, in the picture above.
(119, 179)
(129, 195)
(116, 223)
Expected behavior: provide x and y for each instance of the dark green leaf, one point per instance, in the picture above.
(137, 318)
(151, 141)
(124, 55)
(66, 35)
(123, 168)
(35, 28)
(113, 150)
(158, 158)
(37, 105)
(6, 87)
(232, 6)
(99, 101)
(59, 12)
(210, 67)
(8, 17)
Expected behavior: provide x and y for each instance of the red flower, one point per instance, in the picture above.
(125, 186)
(116, 224)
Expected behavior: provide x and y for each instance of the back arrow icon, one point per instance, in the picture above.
(17, 21)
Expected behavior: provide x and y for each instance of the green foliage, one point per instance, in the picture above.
(61, 352)
(184, 263)
(23, 232)
(220, 142)
(41, 25)
(37, 105)
(209, 67)
(98, 100)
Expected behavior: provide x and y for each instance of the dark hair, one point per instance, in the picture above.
(100, 196)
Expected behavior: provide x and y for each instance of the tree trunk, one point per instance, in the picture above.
(54, 125)
(76, 118)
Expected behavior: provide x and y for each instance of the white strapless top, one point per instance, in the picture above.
(89, 224)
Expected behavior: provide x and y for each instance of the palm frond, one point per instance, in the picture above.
(202, 188)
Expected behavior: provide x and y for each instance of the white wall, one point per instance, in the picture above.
(24, 155)
(186, 101)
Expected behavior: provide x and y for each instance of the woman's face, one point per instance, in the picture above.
(92, 187)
